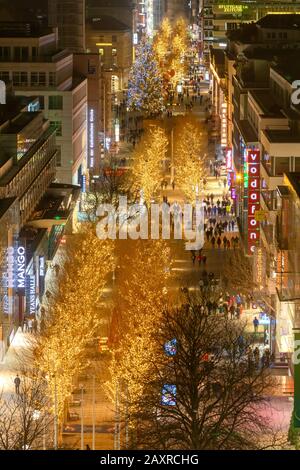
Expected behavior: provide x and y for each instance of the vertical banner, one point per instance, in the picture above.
(296, 361)
(253, 158)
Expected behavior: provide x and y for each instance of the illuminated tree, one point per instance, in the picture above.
(238, 273)
(25, 418)
(215, 394)
(170, 46)
(73, 316)
(189, 161)
(145, 83)
(113, 182)
(147, 165)
(143, 280)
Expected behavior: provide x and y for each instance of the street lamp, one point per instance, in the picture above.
(82, 434)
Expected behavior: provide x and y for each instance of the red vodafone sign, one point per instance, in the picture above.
(253, 198)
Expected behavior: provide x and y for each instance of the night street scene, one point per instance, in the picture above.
(149, 228)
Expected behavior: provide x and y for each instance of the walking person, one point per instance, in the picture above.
(219, 242)
(225, 242)
(30, 325)
(255, 324)
(17, 383)
(199, 258)
(228, 244)
(256, 355)
(213, 241)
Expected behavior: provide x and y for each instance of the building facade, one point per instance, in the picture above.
(31, 61)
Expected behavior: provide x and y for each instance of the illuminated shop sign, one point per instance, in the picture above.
(253, 157)
(232, 8)
(10, 278)
(42, 266)
(31, 294)
(224, 125)
(229, 159)
(92, 137)
(21, 267)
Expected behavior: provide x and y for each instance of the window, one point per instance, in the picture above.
(21, 53)
(55, 102)
(38, 78)
(34, 78)
(114, 52)
(34, 52)
(57, 125)
(24, 78)
(42, 79)
(20, 78)
(281, 165)
(4, 76)
(52, 78)
(297, 164)
(4, 53)
(101, 51)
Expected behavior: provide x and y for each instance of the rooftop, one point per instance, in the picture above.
(266, 102)
(247, 132)
(13, 106)
(280, 21)
(5, 204)
(22, 120)
(106, 23)
(282, 136)
(289, 69)
(19, 29)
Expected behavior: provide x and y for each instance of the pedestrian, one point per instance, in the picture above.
(173, 185)
(213, 241)
(204, 258)
(212, 198)
(228, 244)
(207, 235)
(255, 324)
(225, 242)
(232, 311)
(30, 325)
(88, 447)
(218, 202)
(219, 242)
(193, 258)
(224, 182)
(256, 355)
(199, 258)
(17, 383)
